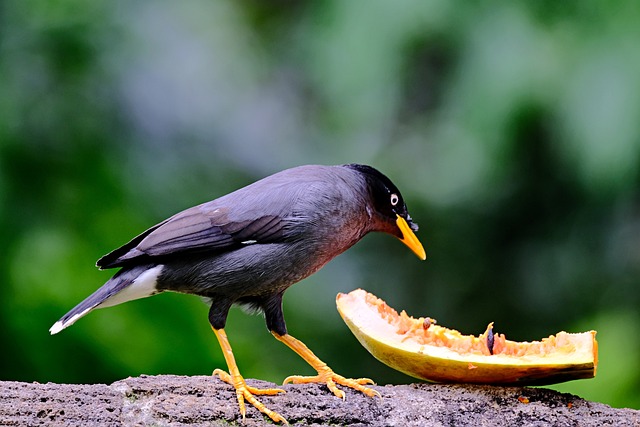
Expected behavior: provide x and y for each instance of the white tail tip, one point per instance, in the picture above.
(61, 324)
(57, 327)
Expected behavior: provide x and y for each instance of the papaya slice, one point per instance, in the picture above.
(422, 349)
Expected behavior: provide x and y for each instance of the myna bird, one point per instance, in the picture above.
(248, 247)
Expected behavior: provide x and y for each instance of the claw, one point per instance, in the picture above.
(325, 374)
(330, 378)
(244, 392)
(247, 392)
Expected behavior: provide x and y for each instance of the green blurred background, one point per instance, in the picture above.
(512, 129)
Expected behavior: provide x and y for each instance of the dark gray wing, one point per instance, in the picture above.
(282, 206)
(203, 228)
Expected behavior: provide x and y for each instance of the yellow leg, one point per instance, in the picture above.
(243, 390)
(325, 374)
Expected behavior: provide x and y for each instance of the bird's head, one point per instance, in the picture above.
(390, 212)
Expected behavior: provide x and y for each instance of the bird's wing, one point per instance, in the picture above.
(198, 229)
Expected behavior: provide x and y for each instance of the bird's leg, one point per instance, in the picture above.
(243, 390)
(325, 374)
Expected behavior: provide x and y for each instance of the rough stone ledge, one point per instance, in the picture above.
(168, 400)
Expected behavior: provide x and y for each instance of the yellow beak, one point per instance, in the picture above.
(410, 239)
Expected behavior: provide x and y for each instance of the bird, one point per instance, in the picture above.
(247, 247)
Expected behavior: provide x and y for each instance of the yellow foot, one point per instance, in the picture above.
(327, 376)
(246, 392)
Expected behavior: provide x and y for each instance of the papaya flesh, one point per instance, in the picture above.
(422, 349)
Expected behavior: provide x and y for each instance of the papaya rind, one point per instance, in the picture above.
(441, 364)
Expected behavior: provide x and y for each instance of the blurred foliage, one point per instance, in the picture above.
(512, 129)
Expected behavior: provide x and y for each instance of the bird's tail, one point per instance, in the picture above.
(128, 284)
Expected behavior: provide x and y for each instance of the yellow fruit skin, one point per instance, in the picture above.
(440, 364)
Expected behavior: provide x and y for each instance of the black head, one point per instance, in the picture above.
(389, 205)
(386, 198)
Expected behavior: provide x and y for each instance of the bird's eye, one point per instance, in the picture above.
(394, 199)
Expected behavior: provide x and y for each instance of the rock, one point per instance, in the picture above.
(168, 400)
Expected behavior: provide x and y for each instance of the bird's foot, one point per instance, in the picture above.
(330, 378)
(246, 392)
(325, 373)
